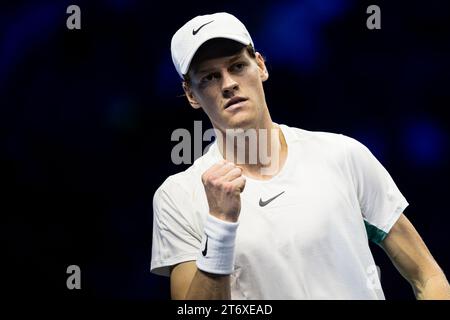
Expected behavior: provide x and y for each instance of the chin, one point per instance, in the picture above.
(241, 121)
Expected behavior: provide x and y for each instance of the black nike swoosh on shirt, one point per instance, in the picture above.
(194, 32)
(265, 203)
(205, 251)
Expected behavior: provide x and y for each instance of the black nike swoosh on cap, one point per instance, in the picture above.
(205, 251)
(194, 32)
(265, 203)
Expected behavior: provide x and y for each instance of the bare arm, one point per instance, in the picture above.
(414, 261)
(188, 282)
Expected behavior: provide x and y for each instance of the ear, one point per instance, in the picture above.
(264, 74)
(190, 96)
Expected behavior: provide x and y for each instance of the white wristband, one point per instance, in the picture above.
(217, 251)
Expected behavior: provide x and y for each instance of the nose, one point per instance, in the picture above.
(229, 85)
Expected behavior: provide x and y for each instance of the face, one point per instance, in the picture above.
(230, 90)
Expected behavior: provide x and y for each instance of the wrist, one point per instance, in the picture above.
(217, 250)
(224, 217)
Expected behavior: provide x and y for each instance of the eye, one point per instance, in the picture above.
(207, 78)
(238, 66)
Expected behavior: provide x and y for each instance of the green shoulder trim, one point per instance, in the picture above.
(374, 234)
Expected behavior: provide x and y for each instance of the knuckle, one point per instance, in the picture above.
(228, 188)
(216, 183)
(208, 179)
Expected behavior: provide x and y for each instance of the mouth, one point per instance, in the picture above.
(233, 101)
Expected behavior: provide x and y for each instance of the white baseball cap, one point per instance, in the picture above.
(187, 40)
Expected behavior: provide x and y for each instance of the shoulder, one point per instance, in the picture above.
(326, 142)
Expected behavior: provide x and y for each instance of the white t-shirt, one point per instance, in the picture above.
(310, 242)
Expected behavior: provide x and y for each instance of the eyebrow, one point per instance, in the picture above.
(230, 61)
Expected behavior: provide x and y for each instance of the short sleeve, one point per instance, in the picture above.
(380, 200)
(174, 238)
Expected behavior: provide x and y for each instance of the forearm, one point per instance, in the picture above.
(207, 286)
(216, 261)
(433, 287)
(414, 261)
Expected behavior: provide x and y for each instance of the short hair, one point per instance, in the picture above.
(217, 48)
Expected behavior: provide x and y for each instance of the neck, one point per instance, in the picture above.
(260, 152)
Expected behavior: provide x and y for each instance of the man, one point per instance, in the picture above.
(291, 217)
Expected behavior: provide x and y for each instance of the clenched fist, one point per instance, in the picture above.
(223, 184)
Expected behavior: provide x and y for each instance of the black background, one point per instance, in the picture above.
(86, 119)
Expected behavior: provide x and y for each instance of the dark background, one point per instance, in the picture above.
(86, 119)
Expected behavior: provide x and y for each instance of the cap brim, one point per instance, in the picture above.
(185, 66)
